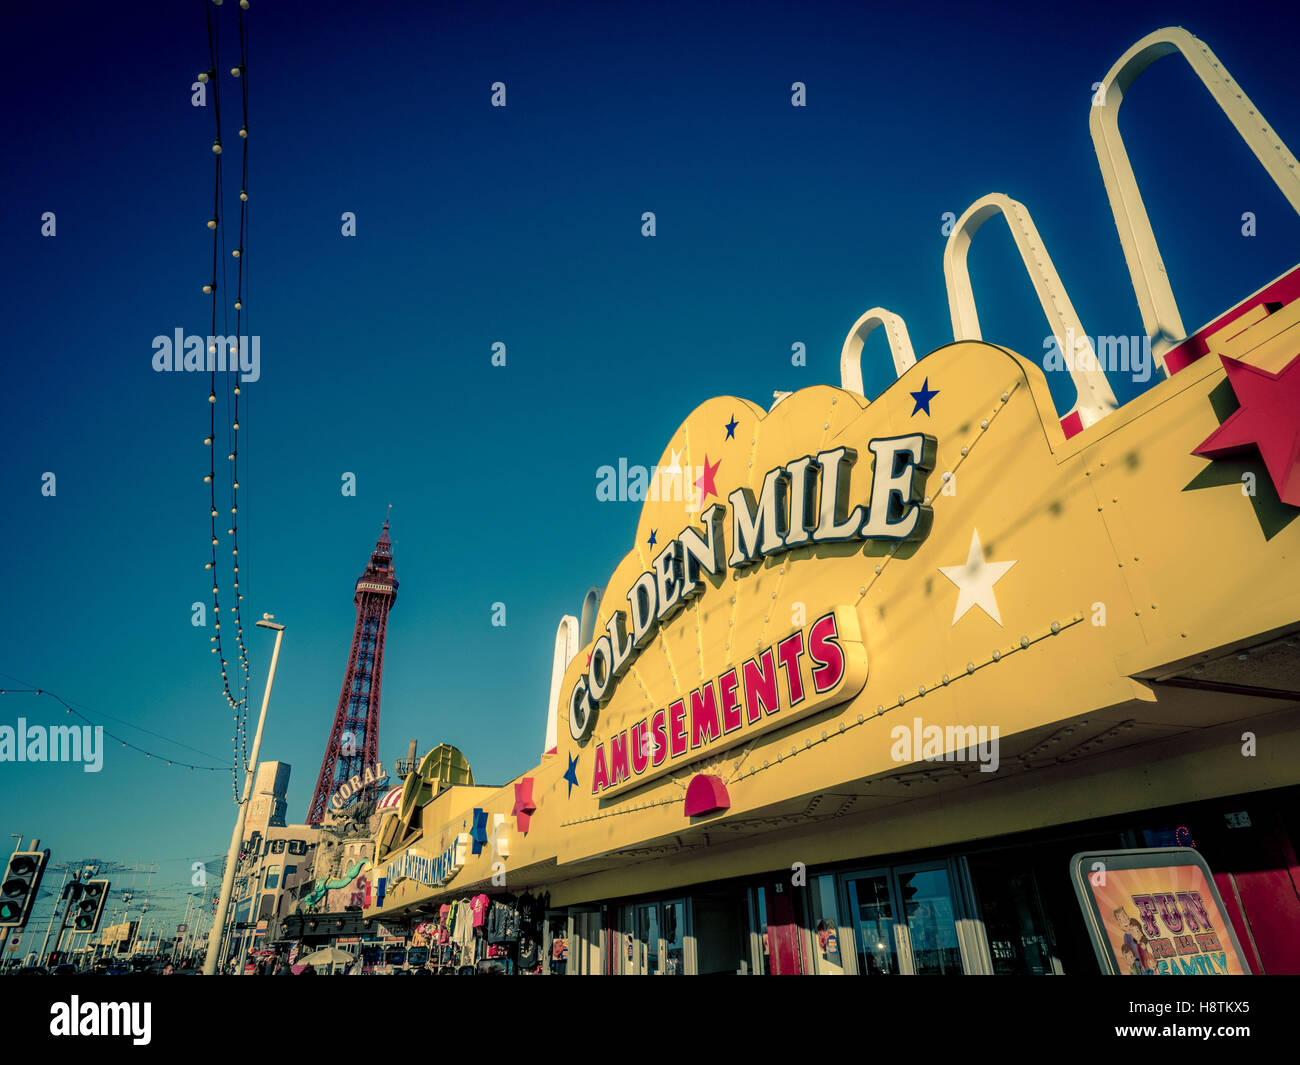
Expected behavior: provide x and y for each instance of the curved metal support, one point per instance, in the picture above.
(1160, 317)
(1095, 398)
(900, 346)
(566, 646)
(587, 617)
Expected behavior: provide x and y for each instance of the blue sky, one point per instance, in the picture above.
(476, 224)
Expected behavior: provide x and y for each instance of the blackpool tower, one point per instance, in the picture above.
(354, 737)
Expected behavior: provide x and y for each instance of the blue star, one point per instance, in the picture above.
(651, 541)
(923, 398)
(571, 774)
(478, 835)
(731, 428)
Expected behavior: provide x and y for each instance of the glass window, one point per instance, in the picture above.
(931, 924)
(827, 958)
(272, 877)
(871, 910)
(720, 923)
(1021, 938)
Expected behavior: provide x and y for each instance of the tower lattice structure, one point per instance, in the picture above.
(354, 737)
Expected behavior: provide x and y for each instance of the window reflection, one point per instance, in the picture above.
(931, 927)
(872, 914)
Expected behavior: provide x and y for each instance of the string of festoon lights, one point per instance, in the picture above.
(238, 706)
(69, 708)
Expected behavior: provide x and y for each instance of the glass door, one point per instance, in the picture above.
(929, 920)
(873, 922)
(674, 938)
(647, 939)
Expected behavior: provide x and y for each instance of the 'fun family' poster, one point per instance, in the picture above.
(1161, 919)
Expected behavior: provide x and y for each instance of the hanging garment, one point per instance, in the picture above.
(479, 905)
(463, 929)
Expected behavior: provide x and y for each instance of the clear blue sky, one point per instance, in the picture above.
(522, 225)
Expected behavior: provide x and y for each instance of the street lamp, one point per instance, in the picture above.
(236, 837)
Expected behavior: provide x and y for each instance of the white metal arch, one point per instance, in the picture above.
(1095, 398)
(900, 346)
(566, 646)
(1160, 317)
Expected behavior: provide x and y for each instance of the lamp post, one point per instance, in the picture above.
(236, 837)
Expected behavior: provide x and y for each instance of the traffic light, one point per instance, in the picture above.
(18, 890)
(90, 906)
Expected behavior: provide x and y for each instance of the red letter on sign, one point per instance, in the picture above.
(730, 701)
(764, 696)
(600, 775)
(660, 739)
(789, 651)
(640, 747)
(827, 653)
(704, 716)
(677, 728)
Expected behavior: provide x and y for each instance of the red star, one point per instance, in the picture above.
(705, 481)
(1269, 419)
(524, 805)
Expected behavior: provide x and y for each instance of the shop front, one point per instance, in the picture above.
(786, 744)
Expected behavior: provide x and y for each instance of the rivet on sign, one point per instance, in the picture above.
(879, 710)
(826, 425)
(920, 690)
(861, 719)
(877, 571)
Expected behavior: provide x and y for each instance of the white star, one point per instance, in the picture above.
(676, 465)
(975, 581)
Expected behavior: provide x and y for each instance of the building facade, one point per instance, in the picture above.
(875, 680)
